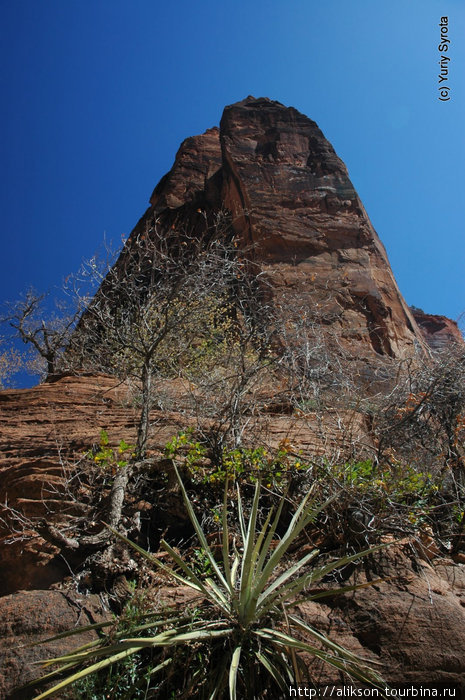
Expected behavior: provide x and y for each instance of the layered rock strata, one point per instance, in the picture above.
(48, 429)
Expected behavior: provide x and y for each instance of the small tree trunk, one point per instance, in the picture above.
(144, 419)
(50, 365)
(118, 493)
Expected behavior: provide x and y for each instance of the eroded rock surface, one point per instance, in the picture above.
(439, 332)
(412, 624)
(294, 206)
(47, 429)
(28, 617)
(308, 225)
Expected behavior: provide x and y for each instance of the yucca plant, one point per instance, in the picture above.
(244, 617)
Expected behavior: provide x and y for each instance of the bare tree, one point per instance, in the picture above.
(423, 417)
(233, 380)
(165, 309)
(45, 326)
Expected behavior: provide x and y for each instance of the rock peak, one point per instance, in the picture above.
(292, 201)
(256, 101)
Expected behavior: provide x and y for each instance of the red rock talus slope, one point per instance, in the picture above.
(293, 203)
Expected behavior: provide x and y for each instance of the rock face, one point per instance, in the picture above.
(412, 623)
(47, 429)
(197, 163)
(294, 207)
(438, 331)
(27, 617)
(44, 430)
(295, 211)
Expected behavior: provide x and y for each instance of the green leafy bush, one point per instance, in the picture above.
(376, 499)
(110, 457)
(401, 483)
(242, 464)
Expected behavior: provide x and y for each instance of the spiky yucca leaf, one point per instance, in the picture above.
(233, 669)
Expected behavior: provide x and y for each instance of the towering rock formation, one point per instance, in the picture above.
(294, 209)
(294, 206)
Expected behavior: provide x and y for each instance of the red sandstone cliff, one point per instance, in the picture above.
(438, 331)
(291, 199)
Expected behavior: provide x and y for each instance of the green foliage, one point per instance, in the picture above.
(386, 489)
(400, 482)
(242, 464)
(109, 457)
(184, 443)
(201, 564)
(458, 513)
(127, 678)
(241, 636)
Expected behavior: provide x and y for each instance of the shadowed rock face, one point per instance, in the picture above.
(293, 204)
(28, 617)
(193, 173)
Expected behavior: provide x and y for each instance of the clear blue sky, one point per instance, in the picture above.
(98, 94)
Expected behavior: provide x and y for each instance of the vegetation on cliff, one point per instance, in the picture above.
(253, 311)
(198, 313)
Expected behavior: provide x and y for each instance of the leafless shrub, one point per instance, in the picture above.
(422, 420)
(177, 305)
(10, 363)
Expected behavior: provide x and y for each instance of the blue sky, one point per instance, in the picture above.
(98, 95)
